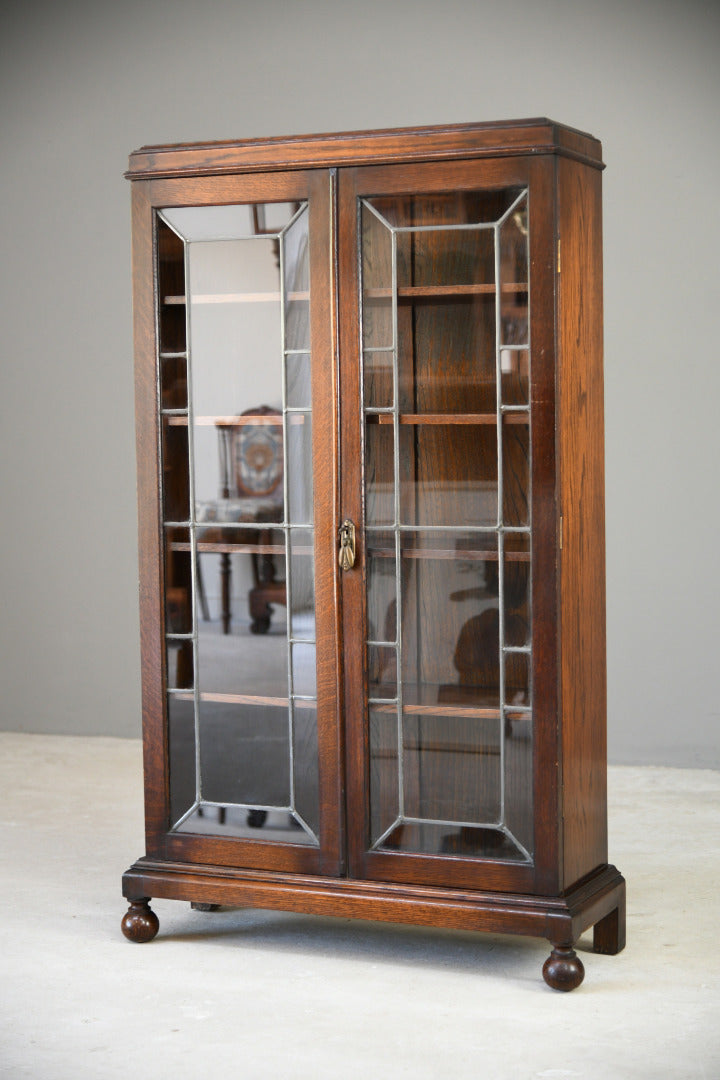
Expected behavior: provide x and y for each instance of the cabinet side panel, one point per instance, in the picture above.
(582, 577)
(150, 560)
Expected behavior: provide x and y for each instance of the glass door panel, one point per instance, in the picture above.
(444, 311)
(235, 396)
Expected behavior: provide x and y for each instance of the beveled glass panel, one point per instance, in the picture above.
(446, 838)
(297, 283)
(178, 582)
(241, 662)
(302, 575)
(448, 266)
(382, 671)
(377, 283)
(446, 355)
(452, 768)
(515, 374)
(445, 207)
(198, 223)
(300, 477)
(446, 258)
(176, 466)
(244, 754)
(516, 469)
(517, 678)
(235, 327)
(233, 821)
(171, 295)
(249, 454)
(381, 586)
(448, 474)
(180, 665)
(384, 771)
(450, 620)
(299, 389)
(518, 761)
(181, 754)
(516, 590)
(173, 381)
(378, 378)
(304, 676)
(514, 276)
(305, 757)
(379, 470)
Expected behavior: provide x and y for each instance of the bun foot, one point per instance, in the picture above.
(140, 923)
(563, 969)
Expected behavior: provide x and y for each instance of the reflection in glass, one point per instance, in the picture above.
(384, 769)
(304, 680)
(297, 366)
(446, 353)
(516, 590)
(379, 472)
(377, 255)
(381, 586)
(178, 581)
(382, 671)
(451, 768)
(181, 754)
(446, 370)
(515, 374)
(299, 454)
(514, 275)
(302, 575)
(176, 489)
(453, 656)
(516, 470)
(305, 772)
(449, 474)
(243, 749)
(244, 755)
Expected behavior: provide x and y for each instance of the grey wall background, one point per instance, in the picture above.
(82, 84)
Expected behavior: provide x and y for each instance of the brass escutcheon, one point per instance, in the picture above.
(346, 557)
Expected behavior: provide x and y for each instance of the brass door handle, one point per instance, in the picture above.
(346, 556)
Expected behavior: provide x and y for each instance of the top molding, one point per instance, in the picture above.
(497, 139)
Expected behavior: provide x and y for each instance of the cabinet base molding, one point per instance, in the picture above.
(597, 901)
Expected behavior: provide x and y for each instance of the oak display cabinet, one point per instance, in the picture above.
(370, 430)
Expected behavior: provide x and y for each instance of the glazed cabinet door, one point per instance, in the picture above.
(447, 302)
(236, 410)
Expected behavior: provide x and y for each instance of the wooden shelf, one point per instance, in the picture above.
(438, 292)
(275, 420)
(243, 699)
(447, 700)
(219, 547)
(477, 419)
(237, 298)
(460, 554)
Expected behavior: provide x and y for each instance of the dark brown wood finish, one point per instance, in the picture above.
(151, 571)
(568, 886)
(538, 176)
(192, 848)
(582, 557)
(454, 141)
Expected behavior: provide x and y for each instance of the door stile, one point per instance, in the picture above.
(323, 300)
(352, 581)
(545, 585)
(150, 562)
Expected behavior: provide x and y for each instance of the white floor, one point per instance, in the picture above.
(256, 994)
